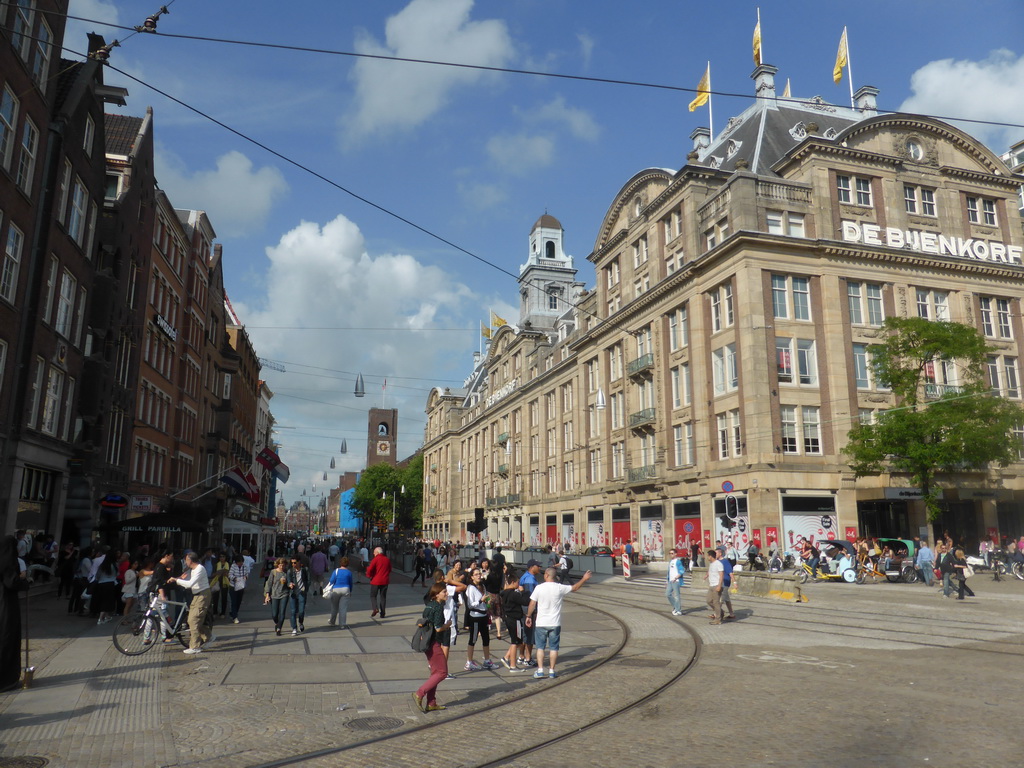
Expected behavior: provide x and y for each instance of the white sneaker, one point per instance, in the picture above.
(488, 664)
(295, 632)
(193, 650)
(235, 621)
(472, 666)
(677, 613)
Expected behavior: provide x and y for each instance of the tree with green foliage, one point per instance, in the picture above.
(934, 429)
(384, 490)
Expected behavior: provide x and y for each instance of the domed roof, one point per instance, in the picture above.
(547, 221)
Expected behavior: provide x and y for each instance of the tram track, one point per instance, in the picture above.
(963, 633)
(565, 707)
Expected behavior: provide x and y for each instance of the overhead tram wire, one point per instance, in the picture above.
(498, 70)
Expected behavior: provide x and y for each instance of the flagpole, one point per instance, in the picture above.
(849, 65)
(711, 119)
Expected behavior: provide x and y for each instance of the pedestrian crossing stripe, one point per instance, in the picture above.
(658, 581)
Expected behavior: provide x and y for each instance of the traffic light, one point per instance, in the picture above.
(732, 507)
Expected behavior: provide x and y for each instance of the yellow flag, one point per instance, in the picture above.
(786, 94)
(703, 90)
(497, 321)
(757, 42)
(485, 331)
(842, 59)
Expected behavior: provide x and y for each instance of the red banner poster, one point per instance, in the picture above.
(755, 536)
(851, 532)
(771, 536)
(707, 539)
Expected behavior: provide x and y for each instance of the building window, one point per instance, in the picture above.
(76, 216)
(640, 253)
(865, 301)
(644, 345)
(864, 372)
(1003, 376)
(3, 363)
(981, 210)
(919, 200)
(725, 370)
(8, 120)
(995, 317)
(65, 305)
(804, 421)
(730, 440)
(722, 311)
(612, 273)
(933, 305)
(678, 328)
(552, 299)
(595, 465)
(21, 31)
(618, 459)
(681, 385)
(854, 188)
(617, 405)
(615, 362)
(791, 297)
(37, 385)
(41, 63)
(802, 353)
(785, 223)
(716, 234)
(682, 444)
(27, 160)
(12, 262)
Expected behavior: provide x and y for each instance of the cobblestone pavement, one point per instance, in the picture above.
(860, 675)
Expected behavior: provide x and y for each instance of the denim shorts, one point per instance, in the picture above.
(546, 637)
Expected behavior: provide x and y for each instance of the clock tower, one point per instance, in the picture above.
(382, 437)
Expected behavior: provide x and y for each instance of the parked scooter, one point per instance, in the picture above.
(995, 564)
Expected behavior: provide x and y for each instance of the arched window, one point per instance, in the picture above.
(549, 249)
(382, 429)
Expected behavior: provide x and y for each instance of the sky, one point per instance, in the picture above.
(373, 212)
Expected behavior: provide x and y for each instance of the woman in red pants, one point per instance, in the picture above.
(426, 696)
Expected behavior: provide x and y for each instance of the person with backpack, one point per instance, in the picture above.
(565, 565)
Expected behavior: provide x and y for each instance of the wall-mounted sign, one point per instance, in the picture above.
(502, 393)
(933, 242)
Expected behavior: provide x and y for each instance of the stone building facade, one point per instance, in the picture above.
(722, 356)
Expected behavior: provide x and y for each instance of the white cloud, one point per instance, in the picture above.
(323, 277)
(990, 89)
(481, 195)
(236, 195)
(578, 121)
(394, 96)
(586, 47)
(520, 153)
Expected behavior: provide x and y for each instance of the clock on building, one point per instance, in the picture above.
(383, 448)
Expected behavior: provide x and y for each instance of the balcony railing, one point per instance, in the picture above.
(433, 467)
(638, 474)
(935, 391)
(503, 438)
(515, 498)
(641, 418)
(503, 469)
(640, 365)
(490, 501)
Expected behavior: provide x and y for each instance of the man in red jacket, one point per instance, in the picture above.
(379, 574)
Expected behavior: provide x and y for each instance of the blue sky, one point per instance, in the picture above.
(475, 157)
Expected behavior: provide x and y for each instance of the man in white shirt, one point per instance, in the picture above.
(715, 577)
(674, 578)
(199, 619)
(545, 615)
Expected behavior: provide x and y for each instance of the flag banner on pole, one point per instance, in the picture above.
(485, 331)
(497, 321)
(757, 41)
(254, 488)
(237, 480)
(842, 59)
(703, 90)
(271, 461)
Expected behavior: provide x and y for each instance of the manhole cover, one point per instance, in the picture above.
(644, 662)
(375, 723)
(23, 762)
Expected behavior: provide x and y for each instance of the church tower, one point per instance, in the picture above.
(547, 281)
(382, 437)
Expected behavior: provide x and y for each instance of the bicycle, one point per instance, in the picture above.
(137, 633)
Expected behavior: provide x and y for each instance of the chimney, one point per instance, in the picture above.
(764, 81)
(701, 138)
(865, 100)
